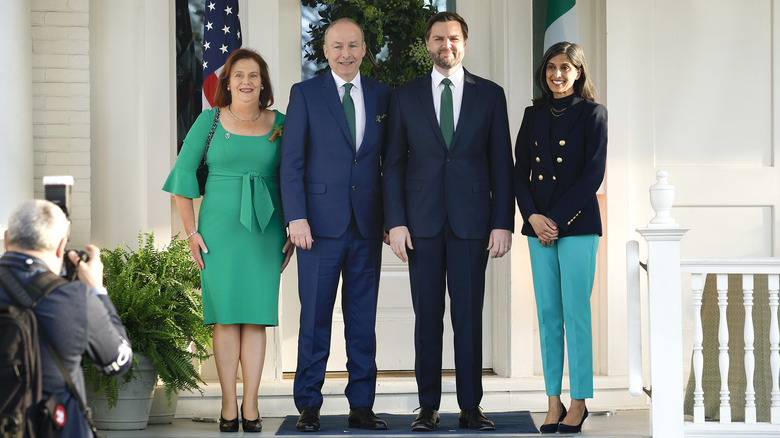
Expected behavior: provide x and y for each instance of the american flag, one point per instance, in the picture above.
(221, 35)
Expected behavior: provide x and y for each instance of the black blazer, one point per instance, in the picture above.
(470, 184)
(558, 176)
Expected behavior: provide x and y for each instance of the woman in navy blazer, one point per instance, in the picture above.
(560, 160)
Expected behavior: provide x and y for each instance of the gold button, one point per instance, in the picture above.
(554, 178)
(560, 160)
(562, 143)
(541, 177)
(537, 159)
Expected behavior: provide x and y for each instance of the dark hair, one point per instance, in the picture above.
(222, 96)
(343, 20)
(446, 16)
(583, 87)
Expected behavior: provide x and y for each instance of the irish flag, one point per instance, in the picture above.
(561, 23)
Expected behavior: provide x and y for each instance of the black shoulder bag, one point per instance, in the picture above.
(29, 297)
(203, 169)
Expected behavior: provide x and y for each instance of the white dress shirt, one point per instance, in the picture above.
(360, 107)
(457, 93)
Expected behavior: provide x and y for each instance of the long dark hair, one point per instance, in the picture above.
(583, 87)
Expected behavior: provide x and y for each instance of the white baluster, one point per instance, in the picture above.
(723, 356)
(774, 347)
(750, 361)
(697, 286)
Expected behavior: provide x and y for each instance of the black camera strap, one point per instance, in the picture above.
(39, 287)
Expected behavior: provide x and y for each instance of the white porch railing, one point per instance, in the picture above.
(664, 269)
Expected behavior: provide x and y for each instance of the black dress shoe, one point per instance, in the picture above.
(309, 421)
(553, 427)
(251, 425)
(228, 425)
(427, 420)
(474, 419)
(365, 418)
(565, 428)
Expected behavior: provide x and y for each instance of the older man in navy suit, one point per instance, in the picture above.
(448, 205)
(332, 199)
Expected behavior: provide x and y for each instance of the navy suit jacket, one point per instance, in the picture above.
(558, 174)
(469, 185)
(322, 178)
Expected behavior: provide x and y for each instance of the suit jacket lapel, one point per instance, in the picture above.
(466, 105)
(331, 97)
(426, 99)
(370, 102)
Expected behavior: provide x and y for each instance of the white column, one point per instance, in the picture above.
(132, 70)
(16, 148)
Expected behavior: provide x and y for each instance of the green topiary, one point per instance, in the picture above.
(395, 25)
(155, 293)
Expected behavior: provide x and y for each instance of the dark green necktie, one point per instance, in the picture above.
(446, 119)
(349, 110)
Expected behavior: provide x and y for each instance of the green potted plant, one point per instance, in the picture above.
(155, 292)
(394, 33)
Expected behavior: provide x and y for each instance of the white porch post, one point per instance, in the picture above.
(16, 148)
(663, 237)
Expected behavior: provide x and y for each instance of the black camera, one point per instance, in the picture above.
(70, 271)
(57, 190)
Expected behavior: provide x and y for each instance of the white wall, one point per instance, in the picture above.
(691, 91)
(16, 176)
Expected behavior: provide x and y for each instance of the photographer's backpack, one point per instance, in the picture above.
(21, 404)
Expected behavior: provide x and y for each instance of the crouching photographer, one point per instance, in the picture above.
(73, 318)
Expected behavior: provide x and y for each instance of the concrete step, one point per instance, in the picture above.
(399, 395)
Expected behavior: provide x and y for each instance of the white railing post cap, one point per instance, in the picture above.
(662, 200)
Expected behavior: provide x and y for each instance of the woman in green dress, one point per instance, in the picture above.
(239, 241)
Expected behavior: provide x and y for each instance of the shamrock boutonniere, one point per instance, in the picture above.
(380, 117)
(277, 132)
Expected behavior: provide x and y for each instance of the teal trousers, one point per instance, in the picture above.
(563, 280)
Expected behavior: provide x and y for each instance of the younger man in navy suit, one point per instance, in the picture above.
(448, 205)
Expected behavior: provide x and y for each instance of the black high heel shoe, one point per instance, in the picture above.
(553, 427)
(565, 428)
(228, 425)
(250, 425)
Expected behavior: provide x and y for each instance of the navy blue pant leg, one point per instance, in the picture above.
(359, 292)
(358, 261)
(462, 263)
(428, 286)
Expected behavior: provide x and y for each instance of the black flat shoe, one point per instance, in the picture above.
(427, 420)
(251, 425)
(309, 421)
(228, 425)
(474, 419)
(565, 428)
(553, 427)
(364, 418)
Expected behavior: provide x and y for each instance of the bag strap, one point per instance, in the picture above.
(38, 288)
(211, 134)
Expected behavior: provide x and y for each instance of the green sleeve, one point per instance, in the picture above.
(182, 179)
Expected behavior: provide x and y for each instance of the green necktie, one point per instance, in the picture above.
(446, 119)
(349, 110)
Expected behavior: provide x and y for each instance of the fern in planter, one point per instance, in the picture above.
(154, 292)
